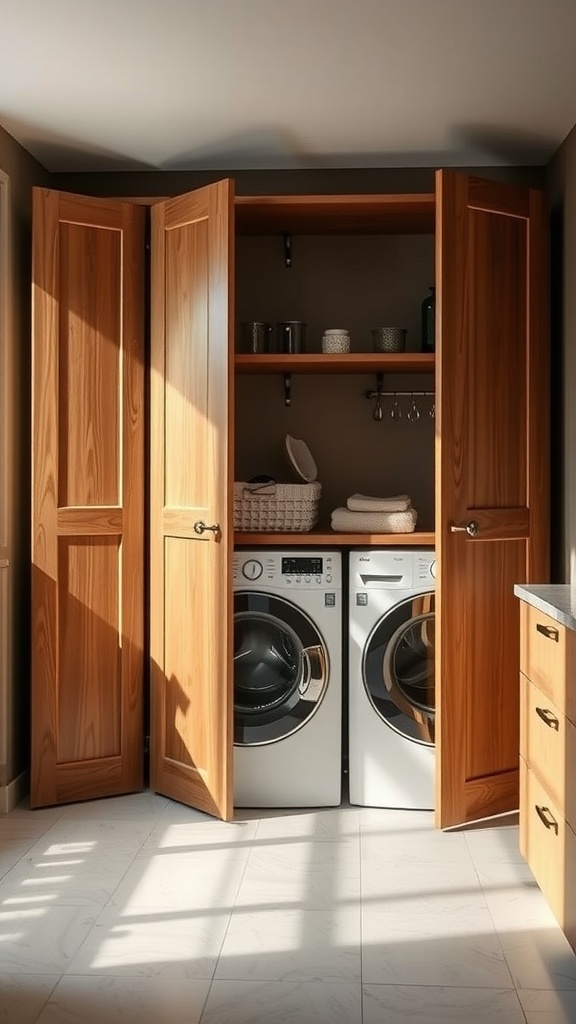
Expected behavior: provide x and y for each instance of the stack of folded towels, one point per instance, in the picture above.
(365, 514)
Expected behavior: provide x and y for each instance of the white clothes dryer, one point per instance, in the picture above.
(391, 678)
(287, 678)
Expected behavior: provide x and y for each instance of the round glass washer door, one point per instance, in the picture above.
(280, 668)
(398, 668)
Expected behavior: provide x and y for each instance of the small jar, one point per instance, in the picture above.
(336, 340)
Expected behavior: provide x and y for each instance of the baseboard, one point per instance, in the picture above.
(13, 794)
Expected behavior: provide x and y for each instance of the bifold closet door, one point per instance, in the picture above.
(87, 498)
(492, 485)
(191, 473)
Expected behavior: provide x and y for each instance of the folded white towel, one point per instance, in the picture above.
(343, 520)
(366, 503)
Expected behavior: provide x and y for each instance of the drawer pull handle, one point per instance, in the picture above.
(548, 631)
(548, 718)
(546, 818)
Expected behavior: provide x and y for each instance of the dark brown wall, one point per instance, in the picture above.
(273, 182)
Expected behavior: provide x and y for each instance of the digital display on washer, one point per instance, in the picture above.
(302, 566)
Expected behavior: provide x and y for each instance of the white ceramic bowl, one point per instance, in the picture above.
(301, 458)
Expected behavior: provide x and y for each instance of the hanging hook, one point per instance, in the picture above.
(287, 389)
(396, 411)
(413, 411)
(287, 250)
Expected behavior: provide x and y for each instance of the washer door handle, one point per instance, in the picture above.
(314, 671)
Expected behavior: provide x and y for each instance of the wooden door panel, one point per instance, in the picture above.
(89, 367)
(88, 498)
(89, 649)
(491, 448)
(191, 481)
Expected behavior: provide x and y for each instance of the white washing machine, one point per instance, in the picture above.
(391, 678)
(287, 678)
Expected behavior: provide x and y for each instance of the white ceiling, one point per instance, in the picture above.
(206, 84)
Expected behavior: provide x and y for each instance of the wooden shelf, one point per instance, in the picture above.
(318, 362)
(329, 538)
(402, 213)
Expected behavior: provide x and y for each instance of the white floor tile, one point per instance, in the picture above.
(546, 1007)
(455, 946)
(66, 874)
(325, 825)
(152, 941)
(301, 875)
(385, 881)
(187, 836)
(540, 958)
(142, 911)
(414, 846)
(291, 945)
(42, 940)
(188, 881)
(499, 844)
(125, 1001)
(283, 1002)
(146, 806)
(22, 996)
(405, 1004)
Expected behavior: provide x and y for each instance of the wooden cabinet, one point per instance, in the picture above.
(485, 463)
(548, 759)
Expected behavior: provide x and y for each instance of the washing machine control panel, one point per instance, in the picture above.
(287, 570)
(252, 569)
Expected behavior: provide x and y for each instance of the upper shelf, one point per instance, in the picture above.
(319, 362)
(328, 538)
(319, 215)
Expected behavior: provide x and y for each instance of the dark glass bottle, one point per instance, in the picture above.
(429, 321)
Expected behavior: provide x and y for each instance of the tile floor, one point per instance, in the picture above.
(137, 909)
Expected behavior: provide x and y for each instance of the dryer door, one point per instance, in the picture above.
(280, 668)
(398, 668)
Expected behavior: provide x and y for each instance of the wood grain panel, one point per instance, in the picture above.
(501, 523)
(88, 498)
(489, 468)
(548, 657)
(496, 467)
(498, 197)
(492, 706)
(89, 365)
(548, 745)
(187, 420)
(191, 479)
(322, 362)
(334, 214)
(191, 644)
(90, 521)
(550, 851)
(89, 658)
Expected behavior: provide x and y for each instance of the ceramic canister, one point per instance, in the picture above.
(336, 340)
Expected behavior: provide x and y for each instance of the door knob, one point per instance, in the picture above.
(471, 528)
(201, 527)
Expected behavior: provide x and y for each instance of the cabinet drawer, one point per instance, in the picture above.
(548, 745)
(548, 657)
(549, 846)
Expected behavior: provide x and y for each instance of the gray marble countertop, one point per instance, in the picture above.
(558, 600)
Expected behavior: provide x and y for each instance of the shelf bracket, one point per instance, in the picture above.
(287, 250)
(287, 389)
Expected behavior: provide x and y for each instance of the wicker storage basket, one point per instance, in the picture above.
(264, 507)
